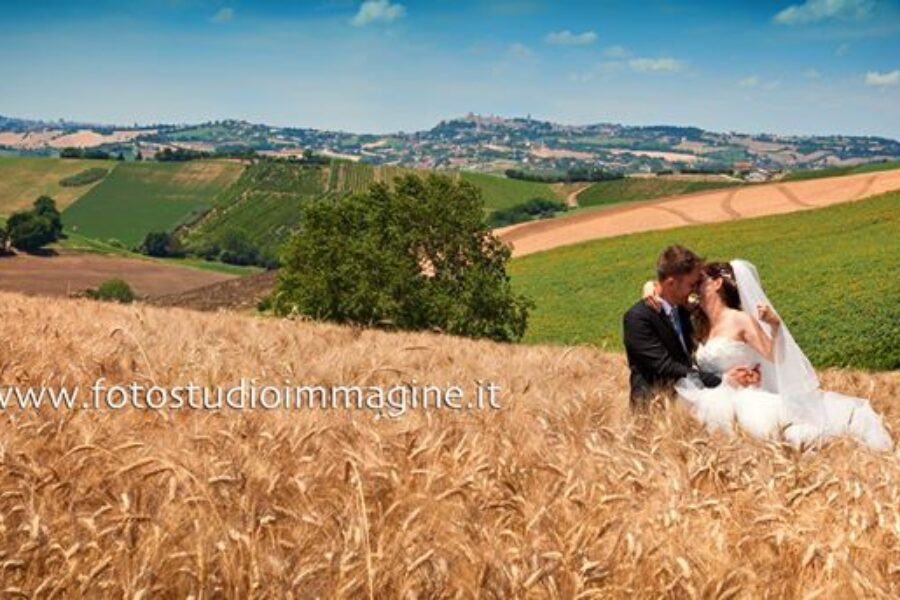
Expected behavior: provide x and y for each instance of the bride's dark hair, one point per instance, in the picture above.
(728, 293)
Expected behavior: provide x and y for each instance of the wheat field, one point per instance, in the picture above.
(560, 493)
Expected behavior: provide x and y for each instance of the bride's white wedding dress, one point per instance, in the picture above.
(767, 414)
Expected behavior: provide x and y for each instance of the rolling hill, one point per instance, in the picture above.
(559, 492)
(478, 142)
(829, 272)
(140, 197)
(839, 171)
(266, 200)
(500, 192)
(23, 179)
(711, 206)
(632, 189)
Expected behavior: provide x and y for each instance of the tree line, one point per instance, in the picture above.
(31, 230)
(573, 175)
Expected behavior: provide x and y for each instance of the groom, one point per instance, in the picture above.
(659, 336)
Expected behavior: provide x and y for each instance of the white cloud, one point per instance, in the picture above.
(223, 16)
(812, 74)
(656, 65)
(755, 81)
(616, 52)
(877, 79)
(373, 11)
(567, 38)
(518, 50)
(813, 11)
(842, 50)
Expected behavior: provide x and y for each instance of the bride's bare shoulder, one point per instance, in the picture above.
(738, 317)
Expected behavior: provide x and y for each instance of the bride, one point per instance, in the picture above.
(788, 400)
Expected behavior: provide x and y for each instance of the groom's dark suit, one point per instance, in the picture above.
(655, 356)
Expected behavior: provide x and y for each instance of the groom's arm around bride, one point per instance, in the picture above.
(656, 356)
(659, 342)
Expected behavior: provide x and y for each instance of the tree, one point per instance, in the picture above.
(29, 232)
(32, 230)
(160, 244)
(112, 290)
(417, 256)
(236, 248)
(45, 206)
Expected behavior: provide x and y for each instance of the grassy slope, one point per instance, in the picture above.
(75, 241)
(138, 198)
(838, 171)
(639, 188)
(831, 273)
(266, 201)
(500, 192)
(23, 179)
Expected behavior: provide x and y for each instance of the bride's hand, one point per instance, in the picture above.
(767, 315)
(650, 295)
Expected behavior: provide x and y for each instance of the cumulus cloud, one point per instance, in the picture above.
(749, 82)
(812, 74)
(378, 11)
(616, 52)
(656, 65)
(567, 38)
(813, 11)
(877, 79)
(223, 15)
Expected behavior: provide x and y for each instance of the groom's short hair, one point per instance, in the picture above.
(675, 261)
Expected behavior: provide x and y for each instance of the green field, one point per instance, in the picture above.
(23, 179)
(266, 201)
(838, 171)
(501, 192)
(137, 198)
(74, 241)
(831, 273)
(632, 189)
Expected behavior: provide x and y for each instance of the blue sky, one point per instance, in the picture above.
(803, 66)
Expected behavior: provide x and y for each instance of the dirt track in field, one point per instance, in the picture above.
(714, 206)
(68, 274)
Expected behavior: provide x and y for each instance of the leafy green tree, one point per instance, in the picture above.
(29, 232)
(536, 208)
(32, 230)
(160, 244)
(236, 248)
(416, 256)
(113, 290)
(45, 206)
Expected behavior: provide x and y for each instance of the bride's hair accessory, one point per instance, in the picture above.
(729, 291)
